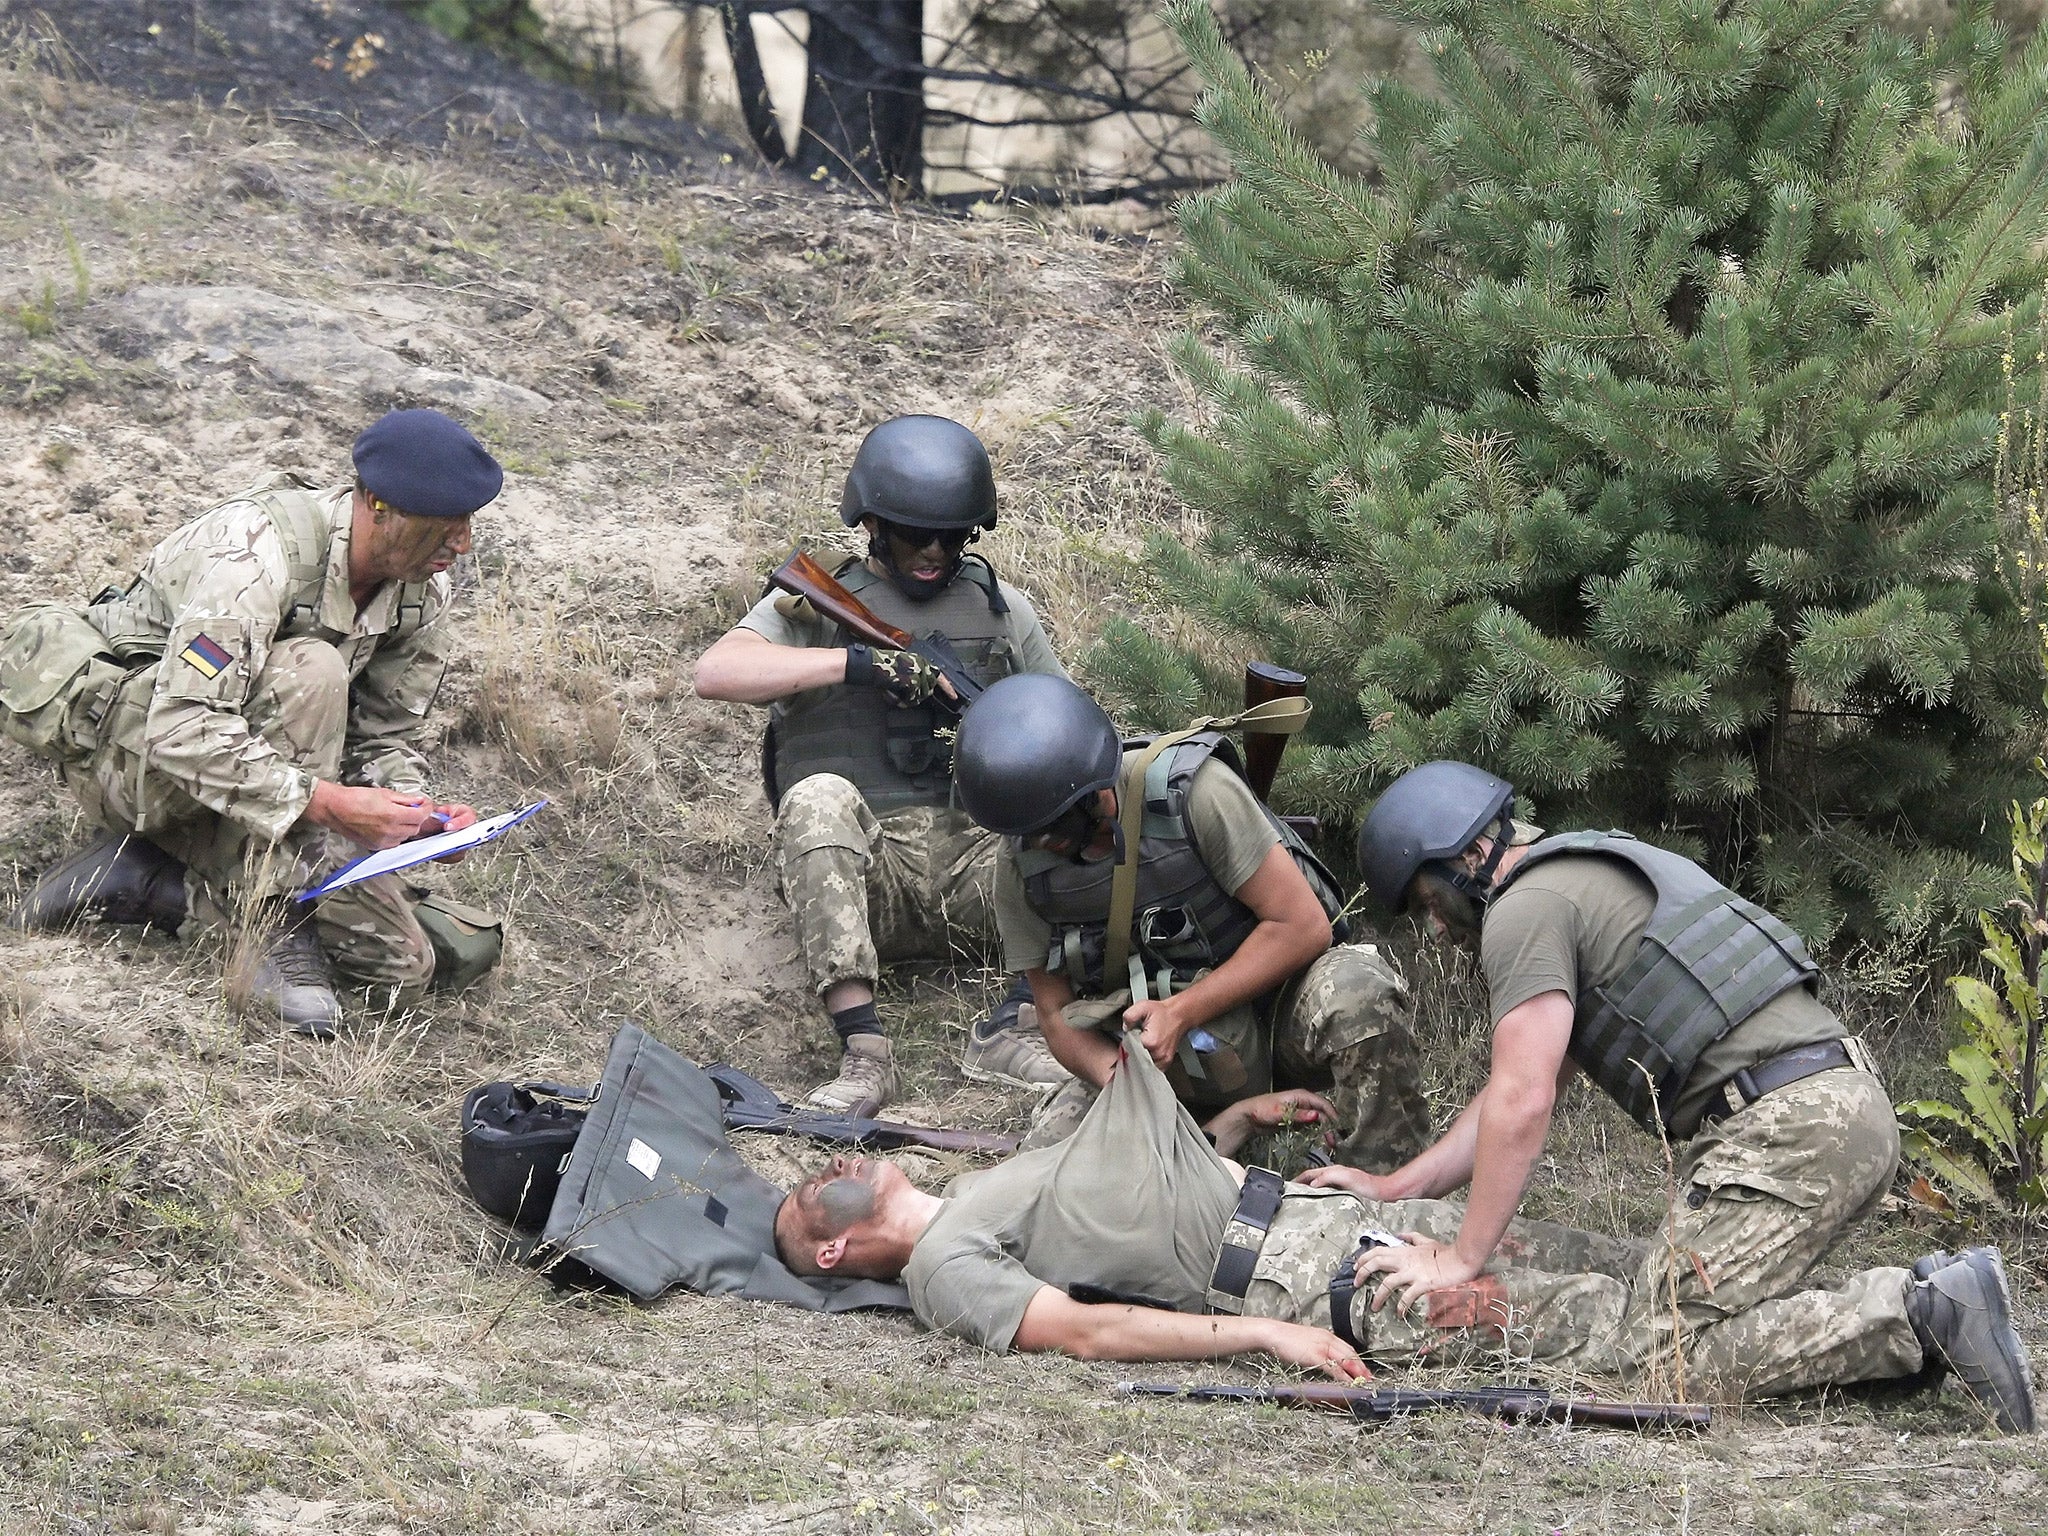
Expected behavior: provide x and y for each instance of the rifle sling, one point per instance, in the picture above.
(1275, 717)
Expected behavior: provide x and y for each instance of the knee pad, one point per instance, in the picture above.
(823, 811)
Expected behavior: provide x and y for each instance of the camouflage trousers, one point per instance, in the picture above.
(1761, 1198)
(300, 706)
(1343, 1027)
(914, 884)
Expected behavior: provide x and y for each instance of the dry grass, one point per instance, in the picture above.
(240, 1286)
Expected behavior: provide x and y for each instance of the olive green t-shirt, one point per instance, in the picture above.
(1572, 923)
(1230, 830)
(1134, 1201)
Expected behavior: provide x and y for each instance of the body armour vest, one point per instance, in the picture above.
(889, 753)
(1707, 960)
(137, 622)
(1184, 921)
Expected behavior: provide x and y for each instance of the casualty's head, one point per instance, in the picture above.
(837, 1221)
(1433, 843)
(1036, 759)
(923, 488)
(420, 477)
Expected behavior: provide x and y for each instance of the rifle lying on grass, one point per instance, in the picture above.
(807, 579)
(1515, 1404)
(751, 1105)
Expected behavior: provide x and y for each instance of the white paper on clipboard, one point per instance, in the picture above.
(419, 851)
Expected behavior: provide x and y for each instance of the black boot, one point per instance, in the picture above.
(119, 878)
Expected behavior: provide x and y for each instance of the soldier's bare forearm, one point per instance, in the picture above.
(743, 667)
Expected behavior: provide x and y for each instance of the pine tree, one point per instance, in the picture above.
(1630, 433)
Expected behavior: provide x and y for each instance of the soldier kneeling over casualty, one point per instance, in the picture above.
(1136, 1239)
(1695, 1010)
(874, 860)
(249, 707)
(1226, 964)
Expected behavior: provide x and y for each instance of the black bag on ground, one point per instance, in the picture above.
(652, 1194)
(514, 1145)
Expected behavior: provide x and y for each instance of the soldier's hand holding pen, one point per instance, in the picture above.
(374, 818)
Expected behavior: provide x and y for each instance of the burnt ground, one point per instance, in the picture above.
(242, 1291)
(260, 56)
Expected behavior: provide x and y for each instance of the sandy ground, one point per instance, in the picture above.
(240, 1285)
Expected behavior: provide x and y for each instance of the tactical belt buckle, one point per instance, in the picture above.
(1243, 1238)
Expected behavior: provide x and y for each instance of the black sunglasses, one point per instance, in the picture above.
(951, 540)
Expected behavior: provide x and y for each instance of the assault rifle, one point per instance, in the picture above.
(804, 577)
(1515, 1404)
(751, 1105)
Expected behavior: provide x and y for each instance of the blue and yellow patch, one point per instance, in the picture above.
(208, 657)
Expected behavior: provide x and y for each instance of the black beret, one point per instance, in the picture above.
(426, 465)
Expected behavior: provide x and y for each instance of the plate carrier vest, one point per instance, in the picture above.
(1184, 922)
(891, 754)
(1707, 960)
(290, 502)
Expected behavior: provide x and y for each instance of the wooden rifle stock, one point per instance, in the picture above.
(803, 576)
(1516, 1404)
(1264, 681)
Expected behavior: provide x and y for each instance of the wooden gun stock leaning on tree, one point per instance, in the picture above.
(1377, 1404)
(1263, 681)
(751, 1105)
(804, 577)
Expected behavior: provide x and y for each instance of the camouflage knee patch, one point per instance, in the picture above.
(1349, 1021)
(824, 840)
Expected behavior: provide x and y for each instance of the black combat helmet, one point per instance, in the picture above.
(1029, 750)
(921, 472)
(1431, 812)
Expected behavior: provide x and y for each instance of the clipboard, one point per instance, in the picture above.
(419, 850)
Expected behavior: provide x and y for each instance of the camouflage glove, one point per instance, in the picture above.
(905, 676)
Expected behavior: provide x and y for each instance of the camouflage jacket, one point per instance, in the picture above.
(271, 564)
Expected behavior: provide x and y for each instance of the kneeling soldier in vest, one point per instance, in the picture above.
(874, 861)
(1695, 1010)
(248, 709)
(1226, 922)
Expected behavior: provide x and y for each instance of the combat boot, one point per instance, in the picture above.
(866, 1080)
(1060, 1115)
(118, 878)
(1008, 1046)
(1961, 1311)
(291, 980)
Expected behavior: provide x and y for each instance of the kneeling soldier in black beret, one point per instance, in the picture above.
(244, 715)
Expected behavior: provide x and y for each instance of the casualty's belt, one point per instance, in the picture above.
(1243, 1238)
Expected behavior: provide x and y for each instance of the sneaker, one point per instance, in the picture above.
(117, 878)
(292, 981)
(866, 1080)
(1961, 1312)
(1008, 1046)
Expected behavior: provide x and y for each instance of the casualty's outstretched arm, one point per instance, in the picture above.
(1115, 1331)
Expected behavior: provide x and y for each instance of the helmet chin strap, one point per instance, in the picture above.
(1479, 883)
(910, 586)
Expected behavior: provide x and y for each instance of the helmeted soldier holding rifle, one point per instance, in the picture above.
(1695, 1010)
(1143, 885)
(874, 859)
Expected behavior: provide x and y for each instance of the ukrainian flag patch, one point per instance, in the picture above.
(208, 657)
